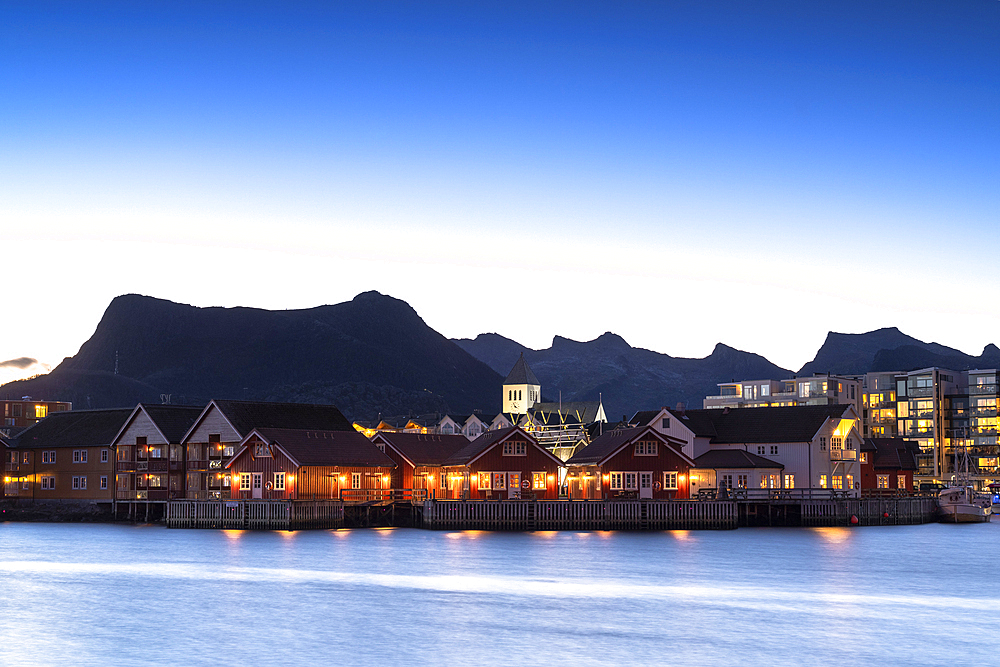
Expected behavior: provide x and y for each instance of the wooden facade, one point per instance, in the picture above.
(419, 460)
(630, 463)
(211, 442)
(506, 464)
(269, 465)
(59, 473)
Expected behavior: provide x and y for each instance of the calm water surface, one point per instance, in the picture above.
(102, 594)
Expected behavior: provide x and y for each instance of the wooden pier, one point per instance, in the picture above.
(255, 514)
(579, 514)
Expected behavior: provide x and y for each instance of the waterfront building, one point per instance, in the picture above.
(26, 412)
(66, 456)
(816, 445)
(888, 464)
(419, 460)
(819, 389)
(734, 469)
(224, 424)
(504, 464)
(305, 464)
(149, 457)
(635, 462)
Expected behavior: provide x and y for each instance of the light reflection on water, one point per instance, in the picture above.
(147, 595)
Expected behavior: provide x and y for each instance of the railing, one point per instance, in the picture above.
(919, 392)
(197, 465)
(142, 466)
(773, 494)
(255, 514)
(125, 466)
(843, 455)
(366, 495)
(979, 389)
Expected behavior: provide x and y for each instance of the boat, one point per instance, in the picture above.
(959, 504)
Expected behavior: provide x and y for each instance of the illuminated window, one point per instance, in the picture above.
(822, 481)
(355, 480)
(741, 481)
(244, 481)
(279, 481)
(882, 481)
(515, 448)
(836, 444)
(41, 411)
(838, 482)
(484, 481)
(538, 481)
(670, 481)
(155, 481)
(726, 481)
(789, 481)
(900, 481)
(850, 481)
(104, 481)
(80, 483)
(864, 457)
(499, 481)
(514, 480)
(774, 481)
(26, 457)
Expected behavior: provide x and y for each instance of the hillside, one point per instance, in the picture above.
(369, 355)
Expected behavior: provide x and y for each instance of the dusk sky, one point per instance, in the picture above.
(755, 173)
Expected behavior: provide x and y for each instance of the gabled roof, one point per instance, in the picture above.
(423, 450)
(488, 440)
(644, 417)
(521, 373)
(747, 425)
(75, 428)
(613, 441)
(172, 421)
(323, 448)
(584, 412)
(8, 434)
(893, 453)
(734, 458)
(244, 416)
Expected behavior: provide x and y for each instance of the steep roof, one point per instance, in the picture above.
(583, 412)
(606, 445)
(893, 453)
(488, 440)
(248, 415)
(644, 417)
(425, 450)
(326, 448)
(734, 458)
(172, 420)
(75, 428)
(741, 425)
(521, 373)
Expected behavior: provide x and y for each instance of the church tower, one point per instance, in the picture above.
(521, 389)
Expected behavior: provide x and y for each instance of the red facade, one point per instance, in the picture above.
(645, 465)
(514, 467)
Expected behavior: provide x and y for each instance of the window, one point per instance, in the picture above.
(279, 481)
(850, 482)
(765, 390)
(16, 410)
(155, 481)
(25, 485)
(447, 429)
(355, 480)
(822, 443)
(774, 481)
(45, 458)
(774, 450)
(838, 482)
(789, 481)
(484, 481)
(26, 457)
(645, 448)
(822, 481)
(515, 448)
(760, 450)
(514, 480)
(882, 481)
(244, 481)
(670, 481)
(741, 481)
(104, 481)
(900, 481)
(864, 457)
(48, 483)
(630, 481)
(726, 481)
(104, 456)
(499, 481)
(41, 411)
(538, 481)
(617, 481)
(666, 422)
(226, 481)
(154, 453)
(80, 483)
(836, 444)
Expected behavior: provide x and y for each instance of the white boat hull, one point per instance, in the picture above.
(965, 513)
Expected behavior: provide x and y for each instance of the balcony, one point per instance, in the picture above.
(843, 455)
(982, 389)
(919, 392)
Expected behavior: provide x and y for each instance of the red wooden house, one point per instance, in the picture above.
(419, 459)
(293, 464)
(630, 463)
(503, 464)
(888, 464)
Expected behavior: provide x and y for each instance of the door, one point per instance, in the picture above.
(645, 485)
(257, 484)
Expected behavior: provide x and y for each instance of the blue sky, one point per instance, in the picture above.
(713, 171)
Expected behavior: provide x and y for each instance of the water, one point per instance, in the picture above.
(102, 594)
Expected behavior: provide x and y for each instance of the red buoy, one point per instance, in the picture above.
(885, 514)
(854, 519)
